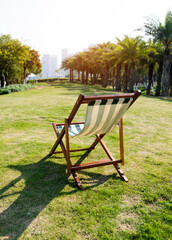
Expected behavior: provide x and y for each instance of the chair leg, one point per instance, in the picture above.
(69, 164)
(54, 147)
(78, 182)
(121, 141)
(120, 172)
(61, 142)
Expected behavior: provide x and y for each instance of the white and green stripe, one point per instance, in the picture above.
(101, 117)
(73, 129)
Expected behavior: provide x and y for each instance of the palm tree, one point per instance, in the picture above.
(68, 63)
(159, 59)
(79, 64)
(94, 63)
(150, 60)
(162, 33)
(104, 50)
(130, 50)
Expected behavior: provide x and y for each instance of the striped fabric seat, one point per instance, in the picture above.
(101, 117)
(73, 129)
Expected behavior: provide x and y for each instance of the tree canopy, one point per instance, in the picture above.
(129, 61)
(17, 60)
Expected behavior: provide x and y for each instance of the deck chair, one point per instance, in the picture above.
(102, 114)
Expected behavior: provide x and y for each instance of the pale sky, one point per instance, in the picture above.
(50, 25)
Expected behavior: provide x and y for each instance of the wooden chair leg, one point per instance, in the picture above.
(61, 142)
(54, 147)
(78, 182)
(120, 172)
(121, 141)
(69, 164)
(97, 140)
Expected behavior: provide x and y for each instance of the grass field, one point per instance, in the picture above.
(39, 201)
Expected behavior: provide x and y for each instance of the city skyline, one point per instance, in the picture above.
(52, 63)
(49, 65)
(50, 26)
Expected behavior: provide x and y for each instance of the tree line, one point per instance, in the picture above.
(129, 61)
(17, 61)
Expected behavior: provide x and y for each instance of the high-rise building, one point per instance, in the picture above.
(49, 66)
(64, 54)
(53, 66)
(45, 66)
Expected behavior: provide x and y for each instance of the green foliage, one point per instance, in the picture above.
(16, 88)
(12, 56)
(4, 91)
(33, 64)
(15, 57)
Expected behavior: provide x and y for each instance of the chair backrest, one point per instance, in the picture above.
(102, 115)
(115, 106)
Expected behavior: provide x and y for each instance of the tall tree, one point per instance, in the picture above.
(159, 60)
(79, 64)
(162, 33)
(151, 54)
(13, 54)
(130, 50)
(68, 63)
(33, 63)
(104, 52)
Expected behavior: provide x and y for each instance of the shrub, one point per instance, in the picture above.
(4, 91)
(16, 88)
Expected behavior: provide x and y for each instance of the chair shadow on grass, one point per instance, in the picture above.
(44, 181)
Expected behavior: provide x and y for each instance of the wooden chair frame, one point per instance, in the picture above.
(71, 169)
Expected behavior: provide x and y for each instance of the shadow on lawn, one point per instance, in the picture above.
(82, 88)
(166, 99)
(44, 181)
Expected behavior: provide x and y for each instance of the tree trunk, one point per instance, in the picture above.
(118, 78)
(82, 76)
(86, 80)
(104, 82)
(171, 79)
(113, 78)
(151, 67)
(71, 75)
(159, 77)
(24, 73)
(166, 75)
(3, 80)
(102, 79)
(107, 76)
(125, 78)
(79, 76)
(94, 78)
(91, 78)
(132, 78)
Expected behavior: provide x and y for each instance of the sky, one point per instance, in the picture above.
(51, 25)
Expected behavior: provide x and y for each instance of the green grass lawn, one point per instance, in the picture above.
(39, 201)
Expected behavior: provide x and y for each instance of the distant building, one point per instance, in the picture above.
(45, 65)
(53, 65)
(49, 66)
(64, 54)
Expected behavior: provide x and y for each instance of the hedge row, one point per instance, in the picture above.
(16, 88)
